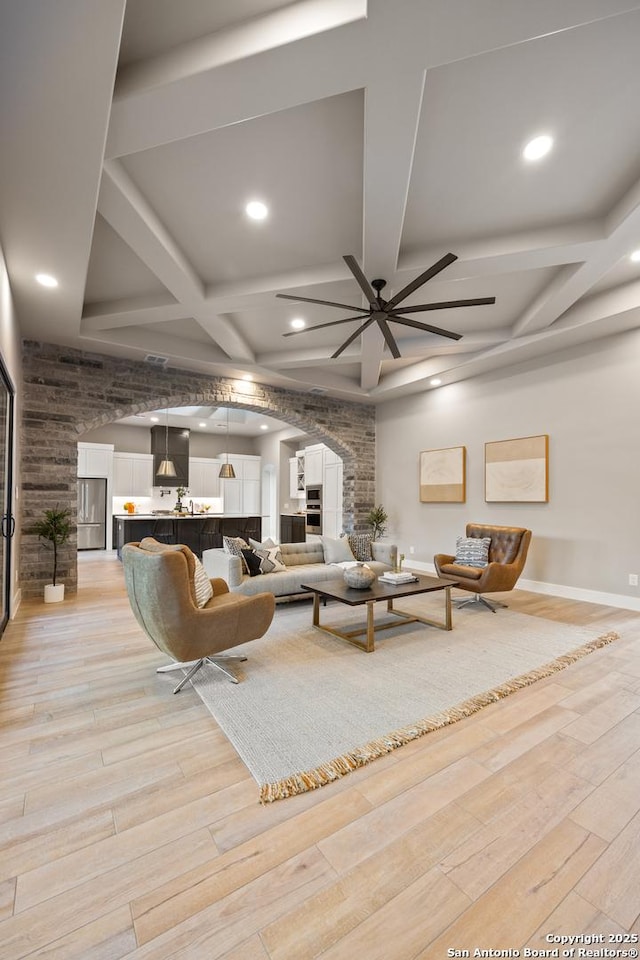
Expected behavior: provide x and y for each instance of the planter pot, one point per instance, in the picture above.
(53, 592)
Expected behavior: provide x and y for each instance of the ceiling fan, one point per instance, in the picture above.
(384, 312)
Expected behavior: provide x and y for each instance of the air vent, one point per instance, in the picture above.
(156, 361)
(318, 391)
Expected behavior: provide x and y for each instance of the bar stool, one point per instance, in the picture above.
(163, 530)
(209, 534)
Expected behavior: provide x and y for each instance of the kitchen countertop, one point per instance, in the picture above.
(175, 516)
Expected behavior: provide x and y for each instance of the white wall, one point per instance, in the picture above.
(10, 351)
(587, 400)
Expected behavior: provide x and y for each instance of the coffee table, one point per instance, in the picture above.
(338, 590)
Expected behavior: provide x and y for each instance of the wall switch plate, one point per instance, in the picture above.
(412, 549)
(633, 579)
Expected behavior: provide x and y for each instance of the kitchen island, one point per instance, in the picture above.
(198, 531)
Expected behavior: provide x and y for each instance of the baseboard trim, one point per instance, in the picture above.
(16, 600)
(558, 590)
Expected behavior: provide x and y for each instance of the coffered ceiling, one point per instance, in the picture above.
(135, 133)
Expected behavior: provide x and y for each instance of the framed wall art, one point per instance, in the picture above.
(442, 475)
(517, 471)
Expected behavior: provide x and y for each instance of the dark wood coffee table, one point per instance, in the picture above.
(338, 590)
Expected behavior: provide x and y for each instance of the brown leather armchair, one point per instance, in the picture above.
(160, 583)
(507, 555)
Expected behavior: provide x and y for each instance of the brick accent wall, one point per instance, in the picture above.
(68, 392)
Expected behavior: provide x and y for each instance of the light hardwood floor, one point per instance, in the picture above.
(130, 829)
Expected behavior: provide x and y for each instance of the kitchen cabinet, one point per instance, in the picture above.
(332, 499)
(95, 459)
(325, 468)
(313, 464)
(292, 528)
(242, 495)
(132, 474)
(296, 477)
(204, 478)
(186, 530)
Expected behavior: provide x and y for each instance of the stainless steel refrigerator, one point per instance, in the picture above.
(92, 514)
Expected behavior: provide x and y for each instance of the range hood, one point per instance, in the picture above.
(178, 445)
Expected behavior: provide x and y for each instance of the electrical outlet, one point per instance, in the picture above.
(633, 579)
(412, 549)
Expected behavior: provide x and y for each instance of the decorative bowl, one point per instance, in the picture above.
(360, 577)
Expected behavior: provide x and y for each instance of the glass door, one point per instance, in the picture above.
(7, 521)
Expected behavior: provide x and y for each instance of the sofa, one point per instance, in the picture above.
(304, 562)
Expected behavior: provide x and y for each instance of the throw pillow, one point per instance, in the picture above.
(202, 584)
(472, 551)
(336, 551)
(267, 544)
(360, 544)
(270, 560)
(252, 561)
(235, 546)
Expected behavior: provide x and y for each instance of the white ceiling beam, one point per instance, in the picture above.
(587, 324)
(222, 330)
(133, 218)
(122, 205)
(393, 101)
(532, 249)
(235, 91)
(132, 312)
(622, 236)
(275, 29)
(153, 341)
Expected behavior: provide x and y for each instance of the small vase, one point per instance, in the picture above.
(360, 577)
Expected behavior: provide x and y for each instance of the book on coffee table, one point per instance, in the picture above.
(398, 578)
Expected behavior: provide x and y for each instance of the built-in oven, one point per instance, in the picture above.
(314, 508)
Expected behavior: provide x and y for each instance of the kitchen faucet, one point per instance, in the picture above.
(191, 507)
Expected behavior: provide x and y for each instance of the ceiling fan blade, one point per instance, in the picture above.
(363, 283)
(325, 303)
(427, 327)
(427, 275)
(353, 337)
(319, 326)
(447, 304)
(388, 336)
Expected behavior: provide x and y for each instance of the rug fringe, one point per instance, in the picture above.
(335, 769)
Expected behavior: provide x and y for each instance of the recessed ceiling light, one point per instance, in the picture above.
(202, 424)
(257, 210)
(538, 147)
(435, 382)
(46, 280)
(154, 419)
(635, 256)
(298, 323)
(264, 426)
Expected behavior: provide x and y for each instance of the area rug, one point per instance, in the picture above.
(310, 708)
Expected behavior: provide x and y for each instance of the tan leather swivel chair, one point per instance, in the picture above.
(507, 555)
(160, 583)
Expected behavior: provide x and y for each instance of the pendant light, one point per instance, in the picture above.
(226, 470)
(167, 467)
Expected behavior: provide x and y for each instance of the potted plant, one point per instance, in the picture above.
(377, 520)
(53, 530)
(181, 492)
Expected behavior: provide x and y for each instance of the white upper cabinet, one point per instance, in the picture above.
(132, 474)
(242, 495)
(95, 459)
(204, 477)
(313, 464)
